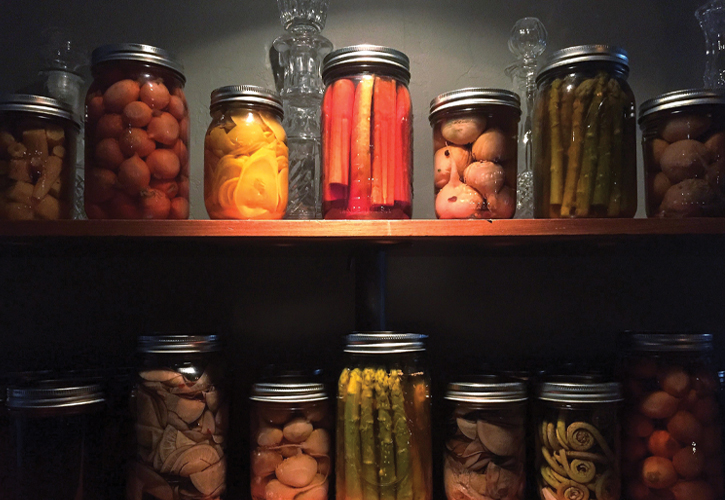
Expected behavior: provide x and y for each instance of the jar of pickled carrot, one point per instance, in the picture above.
(585, 135)
(475, 130)
(367, 156)
(672, 439)
(245, 155)
(137, 135)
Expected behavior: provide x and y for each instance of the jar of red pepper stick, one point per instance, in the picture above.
(367, 126)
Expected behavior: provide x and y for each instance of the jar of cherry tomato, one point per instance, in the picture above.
(367, 167)
(137, 135)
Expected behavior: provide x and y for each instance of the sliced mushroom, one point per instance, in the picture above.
(208, 426)
(212, 399)
(148, 481)
(148, 436)
(467, 427)
(473, 448)
(146, 410)
(182, 440)
(210, 479)
(195, 459)
(218, 438)
(188, 409)
(159, 375)
(173, 419)
(195, 436)
(171, 459)
(502, 441)
(167, 443)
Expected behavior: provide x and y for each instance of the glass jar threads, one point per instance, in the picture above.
(367, 155)
(475, 130)
(672, 420)
(577, 440)
(585, 162)
(383, 418)
(683, 141)
(291, 442)
(37, 157)
(485, 439)
(137, 135)
(181, 419)
(245, 155)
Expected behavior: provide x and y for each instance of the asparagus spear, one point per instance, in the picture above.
(541, 154)
(385, 432)
(567, 110)
(615, 196)
(557, 150)
(353, 488)
(367, 437)
(402, 438)
(418, 410)
(604, 150)
(583, 94)
(340, 430)
(585, 185)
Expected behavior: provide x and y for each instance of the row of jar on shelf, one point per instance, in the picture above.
(582, 144)
(656, 433)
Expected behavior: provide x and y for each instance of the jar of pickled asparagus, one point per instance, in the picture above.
(485, 439)
(37, 157)
(577, 440)
(683, 141)
(137, 135)
(475, 130)
(584, 133)
(367, 127)
(181, 408)
(290, 439)
(672, 441)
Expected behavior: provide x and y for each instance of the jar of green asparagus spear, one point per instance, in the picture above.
(585, 152)
(383, 419)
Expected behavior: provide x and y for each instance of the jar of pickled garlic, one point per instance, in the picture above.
(577, 439)
(475, 130)
(485, 439)
(383, 418)
(291, 450)
(37, 157)
(584, 133)
(672, 443)
(246, 160)
(137, 135)
(57, 439)
(683, 141)
(367, 127)
(181, 419)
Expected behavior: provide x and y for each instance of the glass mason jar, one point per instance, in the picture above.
(38, 137)
(245, 155)
(475, 130)
(57, 432)
(137, 135)
(672, 418)
(683, 144)
(585, 137)
(367, 134)
(383, 418)
(485, 439)
(291, 443)
(577, 440)
(181, 420)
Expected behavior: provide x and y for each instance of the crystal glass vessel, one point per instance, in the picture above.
(711, 17)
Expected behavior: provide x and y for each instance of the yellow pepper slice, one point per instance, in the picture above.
(247, 134)
(220, 142)
(282, 185)
(271, 121)
(257, 191)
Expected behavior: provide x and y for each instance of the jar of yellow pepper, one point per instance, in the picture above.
(245, 155)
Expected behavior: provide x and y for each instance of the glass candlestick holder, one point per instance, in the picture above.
(711, 17)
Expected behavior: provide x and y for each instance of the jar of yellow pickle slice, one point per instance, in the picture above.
(245, 155)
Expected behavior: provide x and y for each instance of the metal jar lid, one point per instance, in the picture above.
(472, 98)
(585, 54)
(54, 394)
(288, 392)
(361, 58)
(384, 342)
(671, 342)
(138, 52)
(679, 99)
(577, 392)
(247, 94)
(178, 344)
(41, 105)
(487, 390)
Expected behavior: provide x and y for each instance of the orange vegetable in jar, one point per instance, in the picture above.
(658, 472)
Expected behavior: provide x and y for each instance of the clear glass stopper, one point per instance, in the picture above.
(304, 15)
(711, 17)
(528, 38)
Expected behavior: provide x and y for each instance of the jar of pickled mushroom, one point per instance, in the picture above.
(683, 141)
(672, 443)
(181, 420)
(577, 439)
(367, 155)
(137, 135)
(57, 436)
(475, 130)
(383, 418)
(584, 133)
(291, 442)
(245, 155)
(485, 439)
(37, 157)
